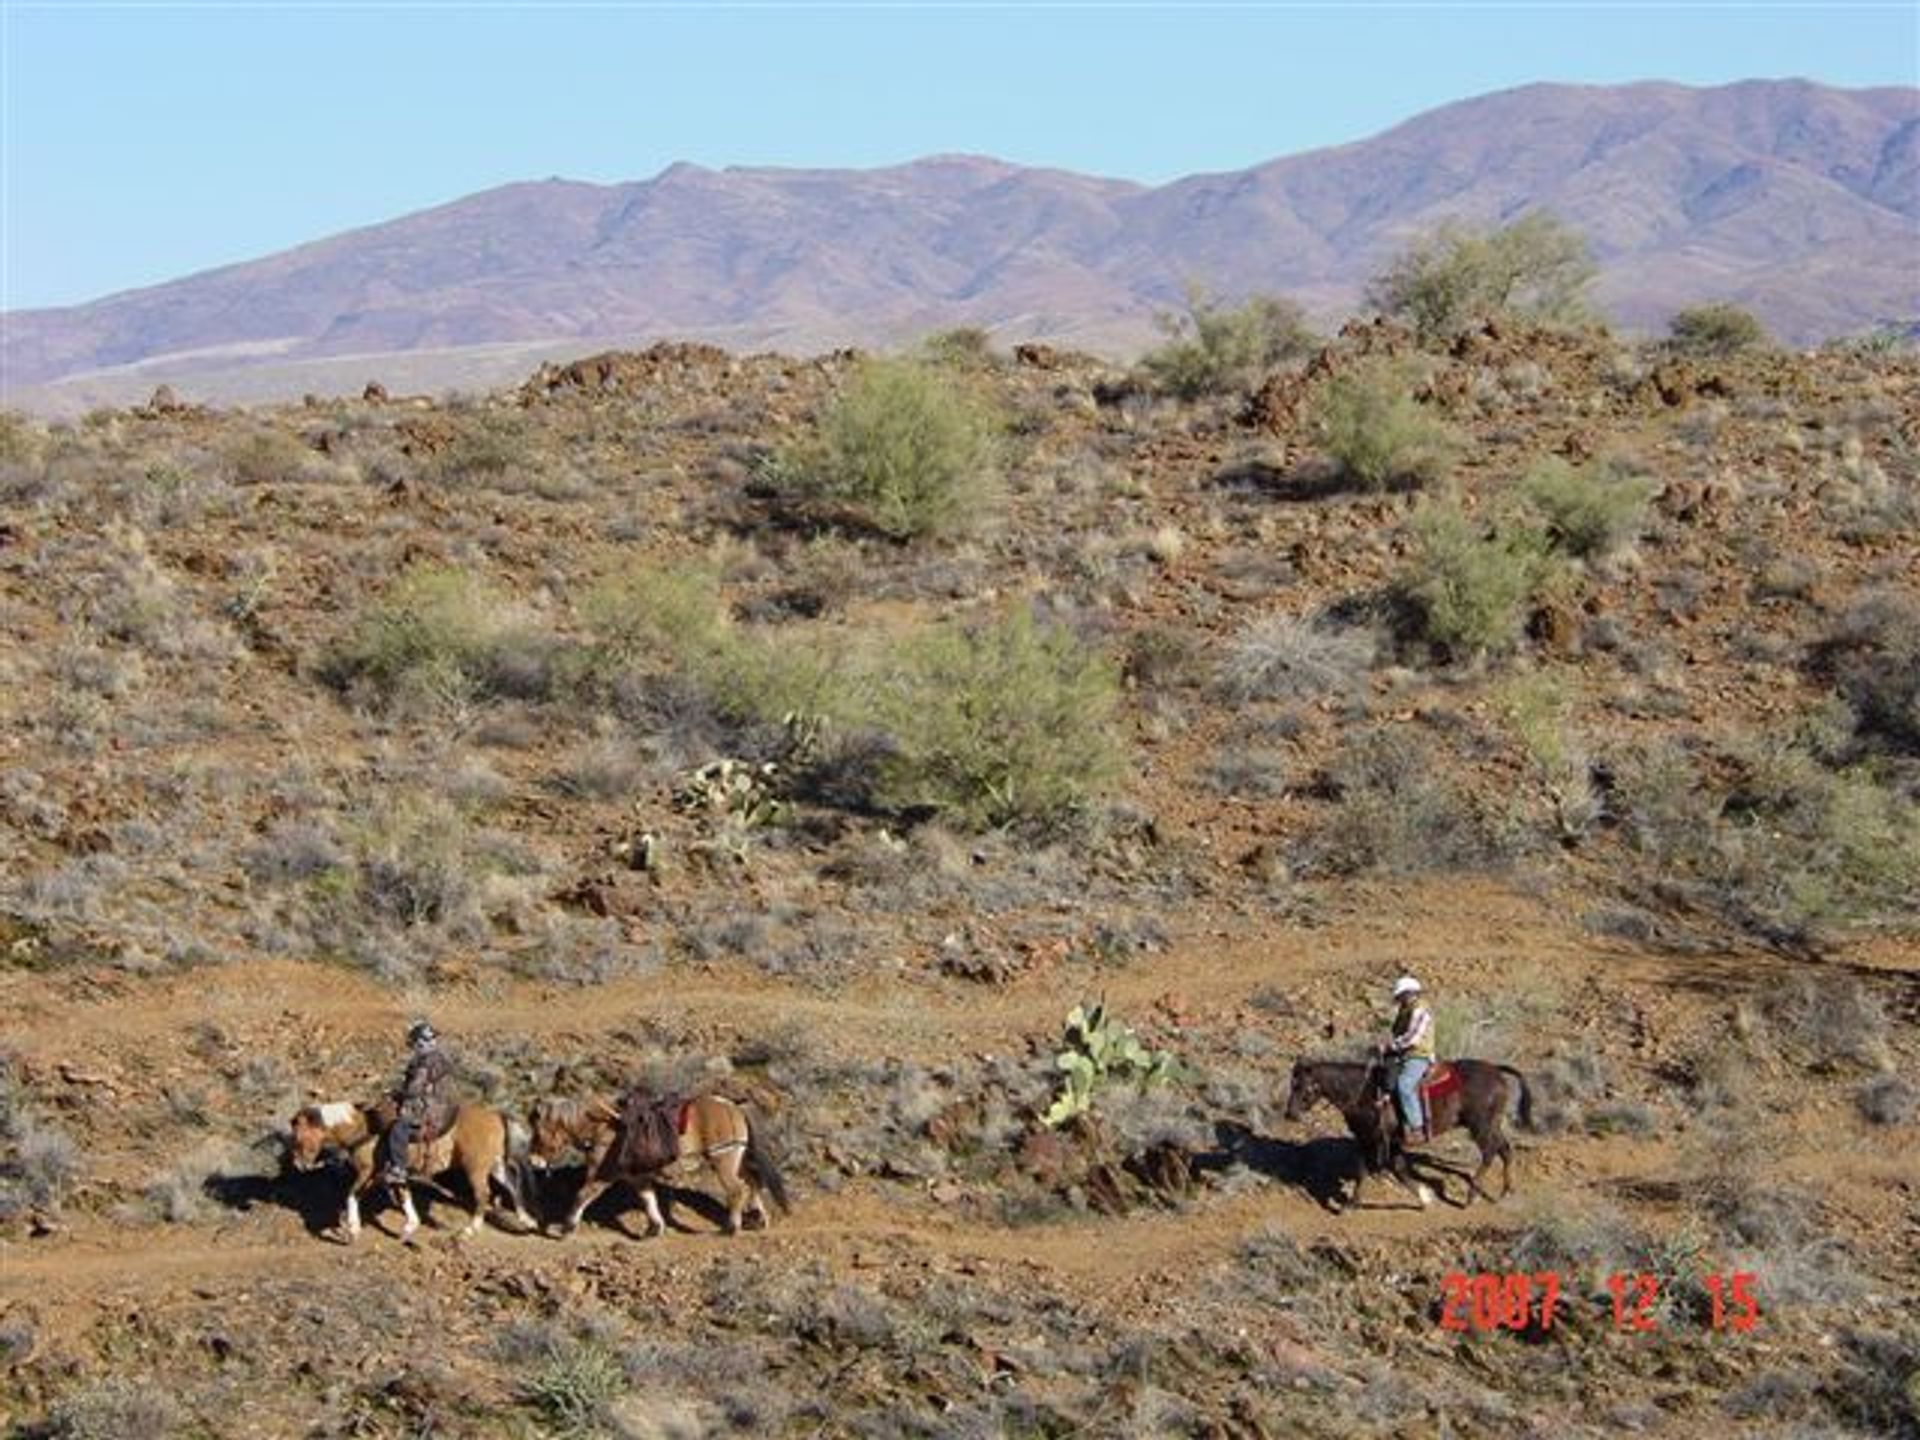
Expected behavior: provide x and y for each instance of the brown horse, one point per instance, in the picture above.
(1359, 1091)
(708, 1127)
(478, 1142)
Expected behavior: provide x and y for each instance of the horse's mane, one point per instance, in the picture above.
(569, 1112)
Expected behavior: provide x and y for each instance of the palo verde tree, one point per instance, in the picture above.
(1537, 267)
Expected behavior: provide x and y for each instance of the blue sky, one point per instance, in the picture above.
(145, 141)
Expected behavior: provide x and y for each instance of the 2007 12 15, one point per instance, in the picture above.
(1520, 1300)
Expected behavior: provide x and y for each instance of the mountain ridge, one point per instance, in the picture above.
(1798, 200)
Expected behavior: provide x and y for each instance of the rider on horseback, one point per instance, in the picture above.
(428, 1067)
(1411, 1045)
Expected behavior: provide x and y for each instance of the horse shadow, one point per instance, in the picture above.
(318, 1196)
(550, 1195)
(1320, 1167)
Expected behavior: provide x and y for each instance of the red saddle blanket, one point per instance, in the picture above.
(1442, 1080)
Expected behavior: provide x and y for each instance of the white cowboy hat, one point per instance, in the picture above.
(1405, 985)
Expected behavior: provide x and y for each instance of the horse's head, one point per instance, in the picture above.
(1304, 1093)
(558, 1126)
(306, 1138)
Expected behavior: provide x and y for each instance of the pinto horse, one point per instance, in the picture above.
(479, 1142)
(708, 1127)
(1358, 1090)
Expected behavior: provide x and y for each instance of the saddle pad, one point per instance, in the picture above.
(1443, 1079)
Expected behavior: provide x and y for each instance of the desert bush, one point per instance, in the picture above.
(604, 769)
(441, 635)
(1471, 583)
(672, 626)
(38, 1164)
(267, 456)
(1001, 723)
(1715, 330)
(489, 448)
(1591, 510)
(1872, 656)
(1826, 1022)
(1216, 349)
(415, 866)
(1791, 851)
(132, 599)
(963, 347)
(113, 1409)
(1539, 709)
(1888, 1100)
(1367, 420)
(572, 1385)
(904, 450)
(1535, 267)
(1289, 657)
(1397, 812)
(1250, 774)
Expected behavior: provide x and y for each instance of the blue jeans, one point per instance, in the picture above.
(1407, 1084)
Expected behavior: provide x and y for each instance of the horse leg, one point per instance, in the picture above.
(412, 1226)
(656, 1222)
(591, 1191)
(349, 1225)
(1402, 1171)
(477, 1171)
(737, 1190)
(502, 1175)
(1506, 1167)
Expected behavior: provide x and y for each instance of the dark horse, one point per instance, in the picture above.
(1359, 1091)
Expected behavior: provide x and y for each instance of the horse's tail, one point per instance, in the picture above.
(763, 1172)
(1526, 1095)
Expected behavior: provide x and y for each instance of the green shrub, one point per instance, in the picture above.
(1872, 656)
(1216, 349)
(266, 456)
(1772, 838)
(1536, 268)
(488, 446)
(964, 347)
(1716, 330)
(1472, 582)
(1591, 510)
(906, 450)
(675, 621)
(573, 1386)
(1009, 722)
(441, 634)
(1368, 421)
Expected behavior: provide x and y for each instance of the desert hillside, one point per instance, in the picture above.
(1798, 201)
(822, 731)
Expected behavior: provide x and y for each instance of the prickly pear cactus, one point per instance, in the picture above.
(1099, 1049)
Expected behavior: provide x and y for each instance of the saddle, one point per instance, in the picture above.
(1442, 1079)
(650, 1130)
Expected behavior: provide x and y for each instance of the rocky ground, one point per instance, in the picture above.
(1658, 847)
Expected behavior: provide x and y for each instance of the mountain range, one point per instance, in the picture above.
(1798, 201)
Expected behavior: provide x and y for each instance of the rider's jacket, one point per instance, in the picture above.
(427, 1070)
(1413, 1034)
